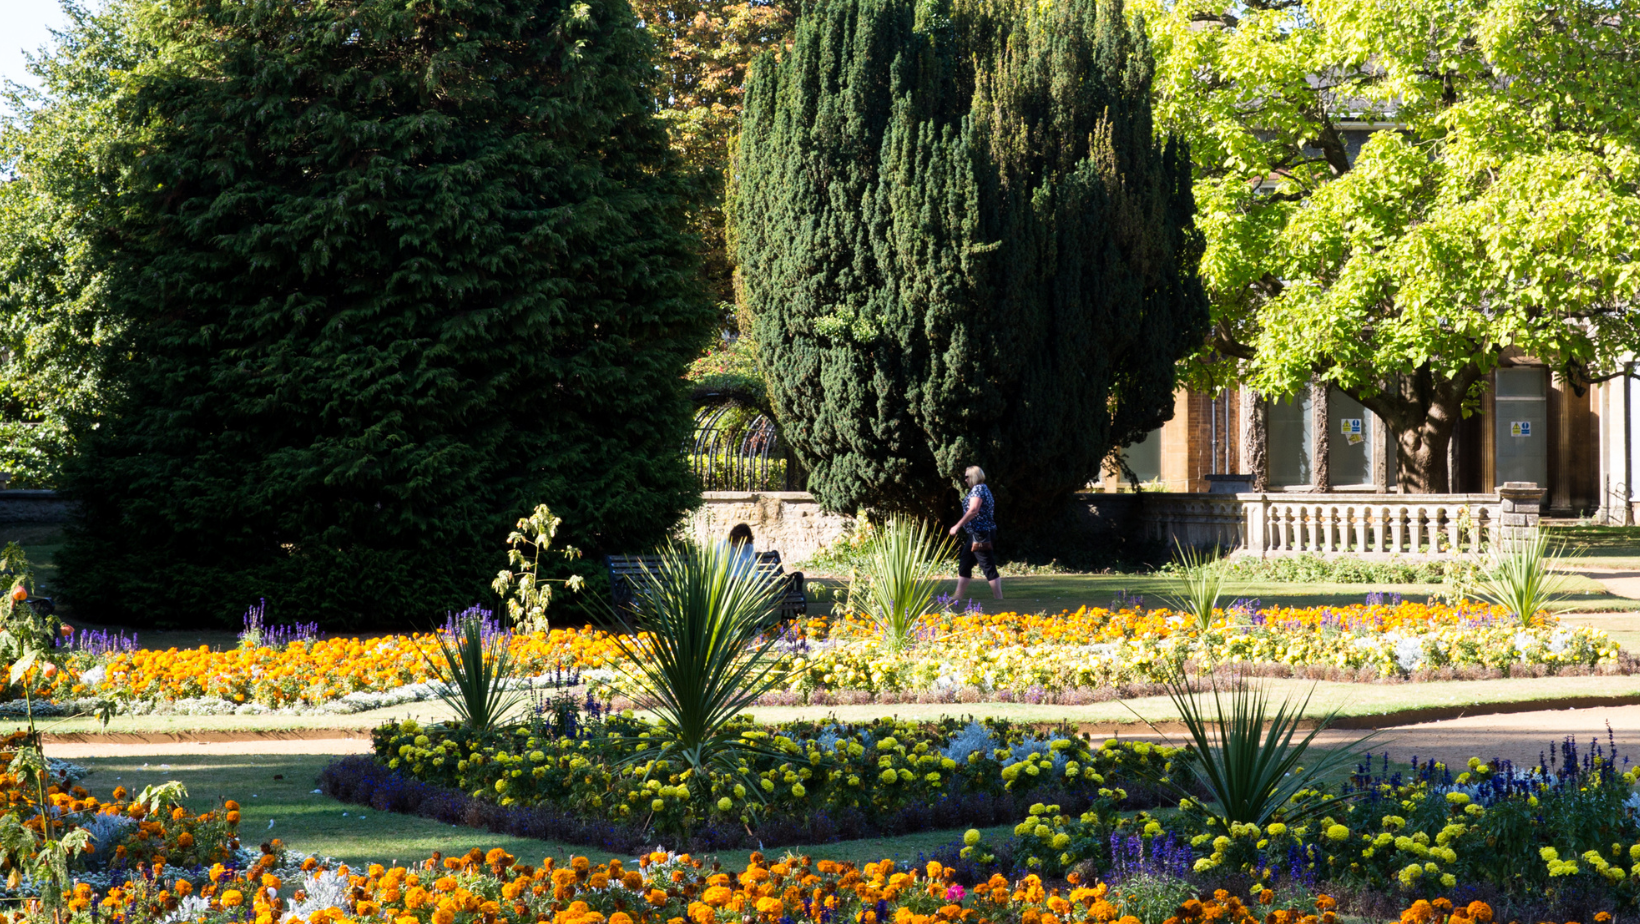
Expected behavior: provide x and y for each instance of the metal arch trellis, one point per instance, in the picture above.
(729, 456)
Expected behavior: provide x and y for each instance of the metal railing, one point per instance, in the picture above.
(736, 450)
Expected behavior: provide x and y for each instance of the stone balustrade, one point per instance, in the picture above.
(1405, 525)
(1408, 525)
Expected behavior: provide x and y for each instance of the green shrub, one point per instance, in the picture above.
(895, 585)
(963, 242)
(702, 657)
(1249, 760)
(1314, 569)
(1200, 583)
(725, 466)
(476, 675)
(1153, 898)
(730, 372)
(1521, 577)
(380, 295)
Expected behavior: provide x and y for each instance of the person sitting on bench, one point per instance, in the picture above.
(740, 545)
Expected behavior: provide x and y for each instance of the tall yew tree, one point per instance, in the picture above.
(963, 245)
(393, 272)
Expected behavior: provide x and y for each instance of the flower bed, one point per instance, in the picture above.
(668, 888)
(1566, 833)
(808, 782)
(1094, 648)
(1567, 830)
(1074, 656)
(127, 834)
(312, 672)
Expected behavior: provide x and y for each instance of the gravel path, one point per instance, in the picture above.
(1621, 582)
(1519, 736)
(70, 750)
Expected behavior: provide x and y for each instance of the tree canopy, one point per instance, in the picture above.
(704, 48)
(1492, 208)
(962, 244)
(382, 276)
(63, 153)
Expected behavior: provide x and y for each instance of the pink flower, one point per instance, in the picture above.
(955, 893)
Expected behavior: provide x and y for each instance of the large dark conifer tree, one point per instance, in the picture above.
(394, 272)
(962, 245)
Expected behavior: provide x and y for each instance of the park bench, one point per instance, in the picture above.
(628, 574)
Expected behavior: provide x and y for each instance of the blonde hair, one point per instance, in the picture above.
(975, 475)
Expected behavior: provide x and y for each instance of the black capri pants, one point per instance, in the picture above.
(986, 558)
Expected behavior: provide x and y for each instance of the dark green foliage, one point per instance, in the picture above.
(962, 245)
(395, 273)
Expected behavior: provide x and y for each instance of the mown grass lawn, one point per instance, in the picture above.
(279, 789)
(1054, 593)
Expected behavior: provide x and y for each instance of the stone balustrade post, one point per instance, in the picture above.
(1519, 503)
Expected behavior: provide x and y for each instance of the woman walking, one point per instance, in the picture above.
(979, 519)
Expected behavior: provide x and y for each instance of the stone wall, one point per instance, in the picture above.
(1406, 526)
(789, 522)
(32, 508)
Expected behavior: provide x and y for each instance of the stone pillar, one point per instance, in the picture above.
(1244, 429)
(1321, 437)
(1519, 503)
(1381, 465)
(1614, 452)
(1255, 508)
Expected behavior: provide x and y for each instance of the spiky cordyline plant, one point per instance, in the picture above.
(1521, 577)
(1249, 761)
(901, 578)
(1199, 585)
(476, 674)
(701, 656)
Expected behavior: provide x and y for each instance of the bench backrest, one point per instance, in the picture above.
(637, 566)
(628, 572)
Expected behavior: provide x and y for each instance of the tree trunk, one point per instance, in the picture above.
(1321, 446)
(1258, 443)
(1423, 454)
(1422, 413)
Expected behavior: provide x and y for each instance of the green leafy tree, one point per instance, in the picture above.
(389, 273)
(963, 245)
(704, 48)
(1497, 212)
(62, 151)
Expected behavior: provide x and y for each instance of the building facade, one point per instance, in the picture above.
(1530, 426)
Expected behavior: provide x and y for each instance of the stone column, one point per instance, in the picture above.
(1244, 430)
(1380, 455)
(1519, 503)
(1321, 438)
(1614, 452)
